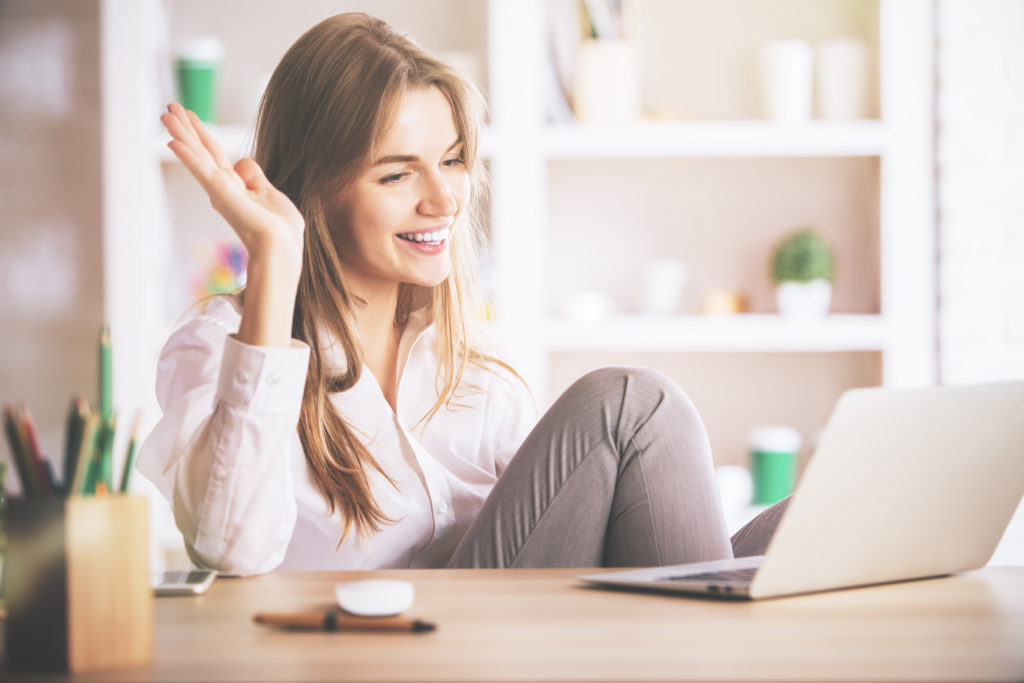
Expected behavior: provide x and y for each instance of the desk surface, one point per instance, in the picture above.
(543, 625)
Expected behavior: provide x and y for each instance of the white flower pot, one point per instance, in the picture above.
(804, 299)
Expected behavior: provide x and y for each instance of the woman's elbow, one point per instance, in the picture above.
(235, 562)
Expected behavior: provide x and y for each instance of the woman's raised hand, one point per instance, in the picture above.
(267, 222)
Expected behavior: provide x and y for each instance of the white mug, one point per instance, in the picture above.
(787, 80)
(661, 287)
(842, 73)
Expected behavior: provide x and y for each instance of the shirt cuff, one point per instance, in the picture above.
(263, 378)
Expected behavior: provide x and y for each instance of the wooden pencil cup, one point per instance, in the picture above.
(76, 580)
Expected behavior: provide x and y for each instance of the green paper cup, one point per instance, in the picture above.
(197, 68)
(773, 459)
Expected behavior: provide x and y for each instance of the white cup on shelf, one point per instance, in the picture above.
(842, 74)
(786, 75)
(606, 85)
(662, 283)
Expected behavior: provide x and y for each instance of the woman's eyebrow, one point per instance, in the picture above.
(408, 158)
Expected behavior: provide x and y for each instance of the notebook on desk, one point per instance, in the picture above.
(904, 484)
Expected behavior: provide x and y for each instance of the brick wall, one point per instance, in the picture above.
(51, 214)
(980, 155)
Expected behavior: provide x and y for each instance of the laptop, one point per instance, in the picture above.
(904, 484)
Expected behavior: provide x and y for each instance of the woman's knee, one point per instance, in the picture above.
(754, 537)
(616, 376)
(626, 383)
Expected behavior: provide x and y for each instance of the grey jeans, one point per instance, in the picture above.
(617, 473)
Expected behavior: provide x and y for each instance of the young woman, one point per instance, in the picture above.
(344, 412)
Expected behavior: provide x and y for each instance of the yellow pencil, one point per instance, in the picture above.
(86, 454)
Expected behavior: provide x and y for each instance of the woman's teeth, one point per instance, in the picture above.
(428, 237)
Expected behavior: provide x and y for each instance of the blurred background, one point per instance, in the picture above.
(648, 159)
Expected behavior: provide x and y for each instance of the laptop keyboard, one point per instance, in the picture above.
(734, 575)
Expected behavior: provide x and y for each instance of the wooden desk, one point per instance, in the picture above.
(542, 625)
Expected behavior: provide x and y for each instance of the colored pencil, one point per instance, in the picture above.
(78, 413)
(86, 455)
(106, 401)
(105, 462)
(129, 460)
(35, 453)
(26, 474)
(106, 396)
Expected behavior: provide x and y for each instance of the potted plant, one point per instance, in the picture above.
(803, 268)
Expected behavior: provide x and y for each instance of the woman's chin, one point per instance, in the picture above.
(428, 280)
(432, 275)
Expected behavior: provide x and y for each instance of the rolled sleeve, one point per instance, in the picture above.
(222, 451)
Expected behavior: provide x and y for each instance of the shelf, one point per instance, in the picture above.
(738, 138)
(751, 332)
(654, 140)
(237, 141)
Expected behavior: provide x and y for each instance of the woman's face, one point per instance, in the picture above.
(398, 214)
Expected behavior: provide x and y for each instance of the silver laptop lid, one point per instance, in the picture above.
(904, 484)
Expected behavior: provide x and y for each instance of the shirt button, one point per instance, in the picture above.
(243, 376)
(220, 471)
(442, 507)
(273, 378)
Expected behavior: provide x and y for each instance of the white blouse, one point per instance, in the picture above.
(227, 454)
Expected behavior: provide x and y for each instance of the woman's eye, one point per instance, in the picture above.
(454, 161)
(393, 178)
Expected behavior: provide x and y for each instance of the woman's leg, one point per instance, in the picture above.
(617, 473)
(754, 537)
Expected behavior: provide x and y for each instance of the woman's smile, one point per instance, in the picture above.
(427, 241)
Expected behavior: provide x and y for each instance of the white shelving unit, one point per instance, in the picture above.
(750, 333)
(538, 171)
(716, 139)
(884, 336)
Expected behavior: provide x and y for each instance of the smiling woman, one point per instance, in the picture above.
(349, 389)
(396, 217)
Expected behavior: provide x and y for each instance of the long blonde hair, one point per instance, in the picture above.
(323, 111)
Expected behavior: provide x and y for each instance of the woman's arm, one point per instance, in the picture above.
(265, 220)
(223, 451)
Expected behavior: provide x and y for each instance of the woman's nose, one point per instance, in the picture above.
(438, 199)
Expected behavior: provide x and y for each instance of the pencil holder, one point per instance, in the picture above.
(76, 579)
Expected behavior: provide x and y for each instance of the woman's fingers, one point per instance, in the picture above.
(185, 126)
(179, 126)
(200, 153)
(209, 142)
(188, 158)
(240, 192)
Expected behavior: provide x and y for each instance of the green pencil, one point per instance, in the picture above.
(129, 460)
(106, 397)
(105, 472)
(105, 463)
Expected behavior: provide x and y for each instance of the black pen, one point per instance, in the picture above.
(335, 621)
